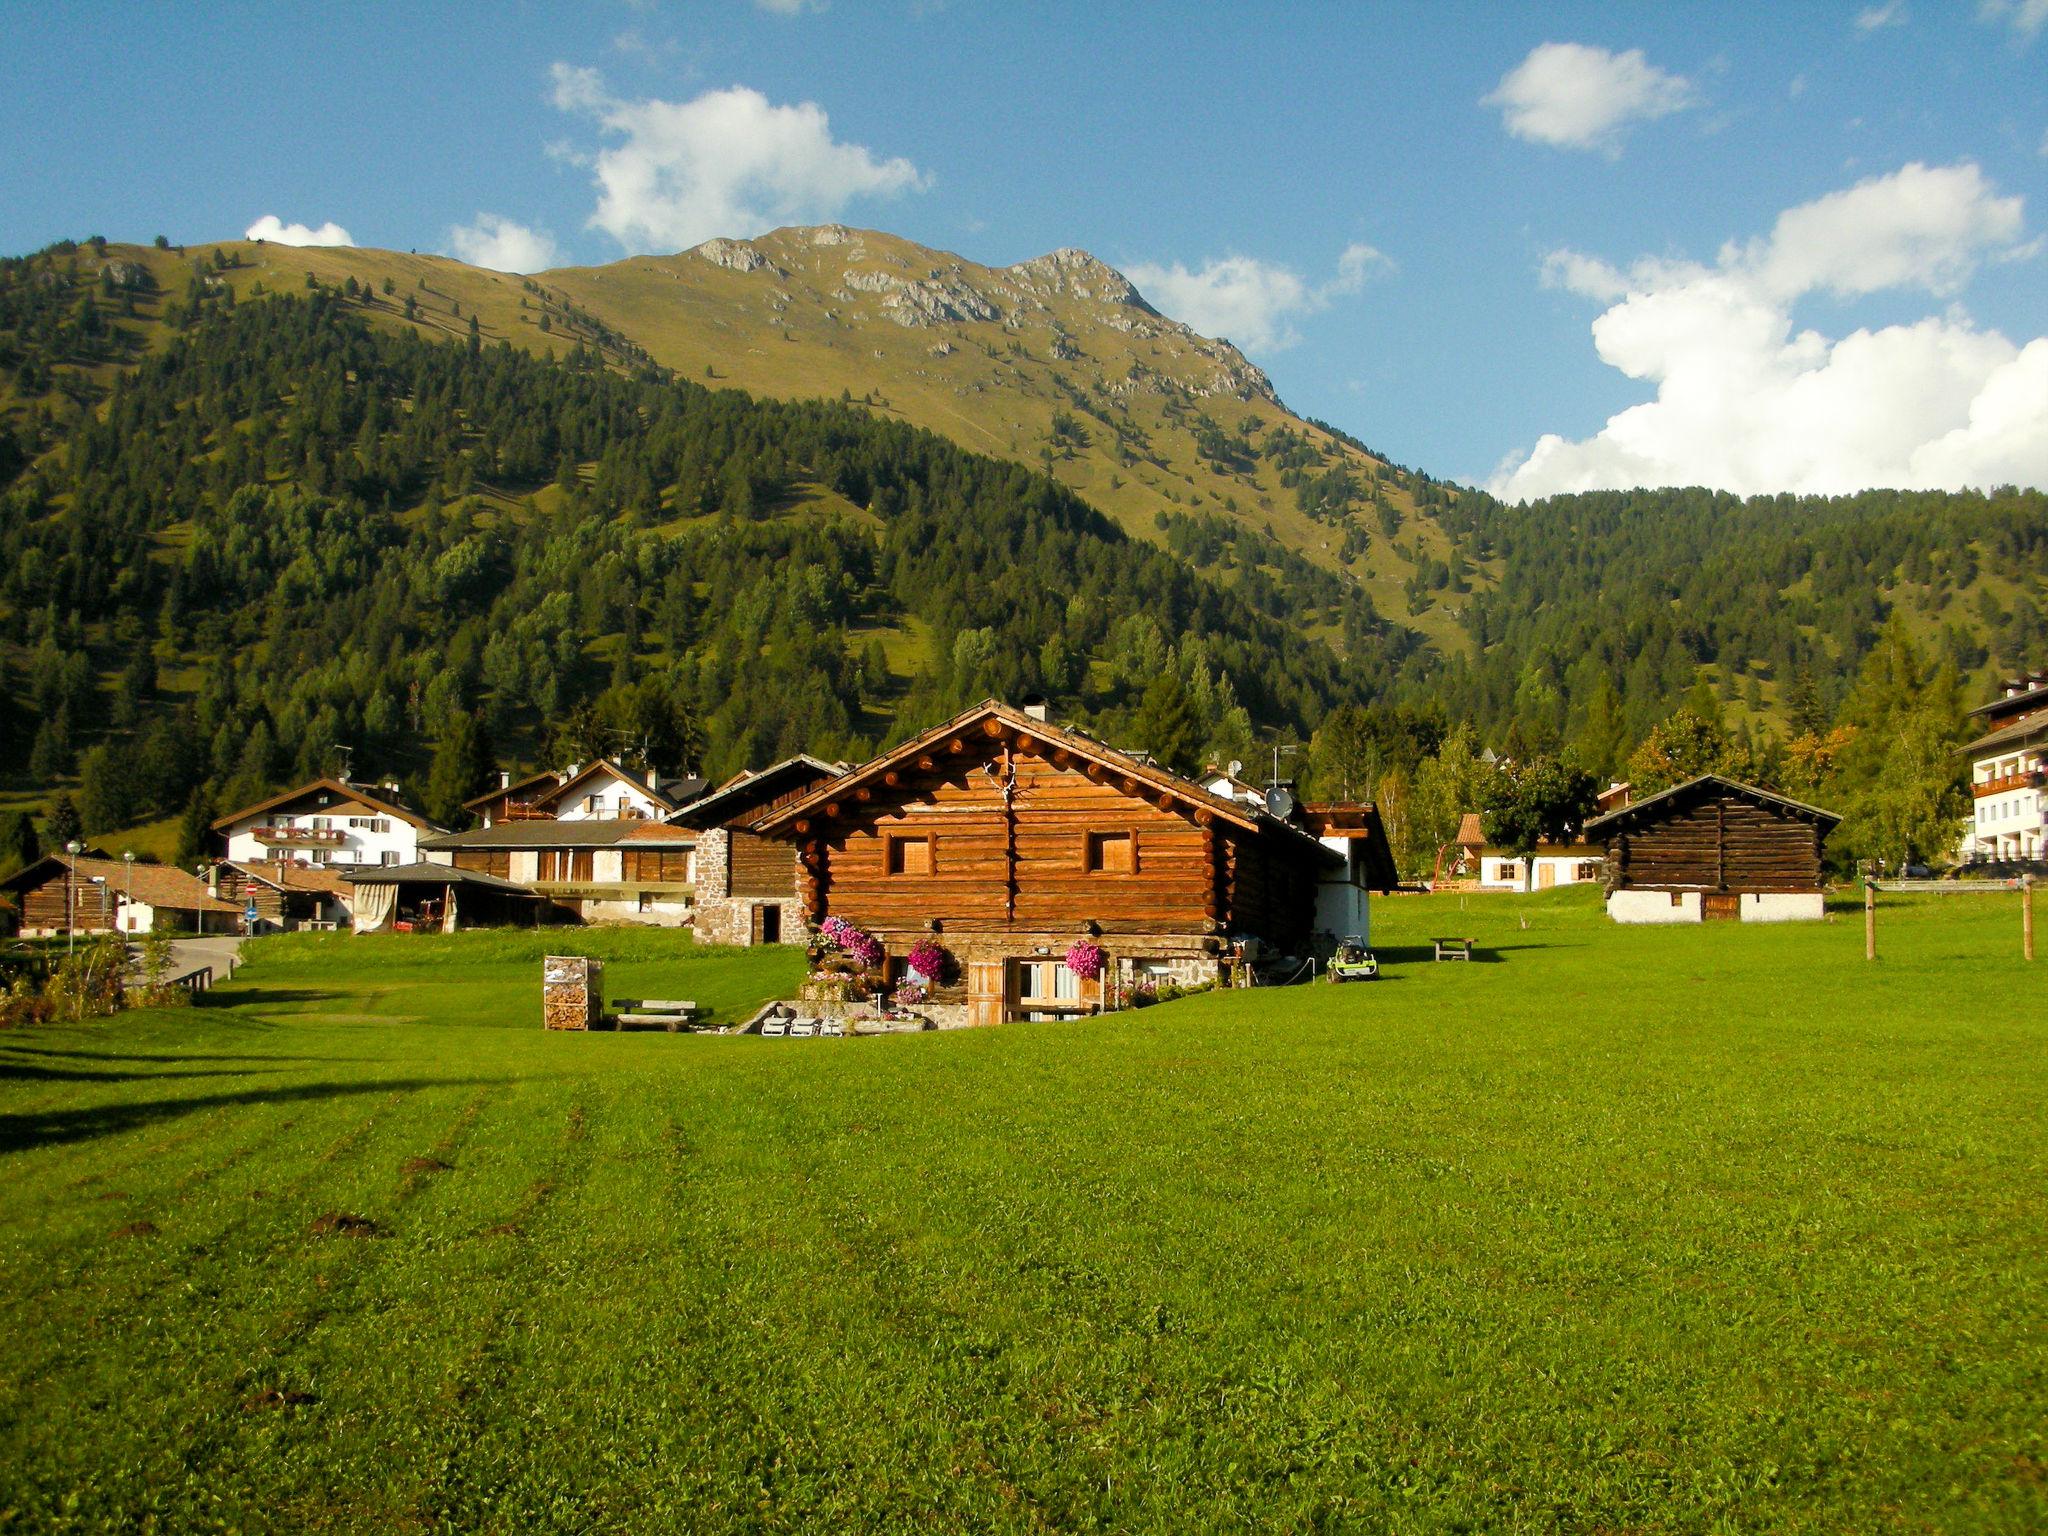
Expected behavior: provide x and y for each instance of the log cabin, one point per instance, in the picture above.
(1711, 848)
(288, 897)
(61, 894)
(746, 884)
(1009, 839)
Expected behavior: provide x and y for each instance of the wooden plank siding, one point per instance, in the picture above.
(758, 866)
(1722, 842)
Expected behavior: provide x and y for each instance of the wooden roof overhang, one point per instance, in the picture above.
(353, 792)
(1357, 819)
(735, 802)
(1654, 807)
(2022, 732)
(991, 724)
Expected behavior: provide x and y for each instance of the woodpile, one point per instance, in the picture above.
(572, 992)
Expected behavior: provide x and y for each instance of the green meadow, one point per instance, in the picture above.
(1715, 1230)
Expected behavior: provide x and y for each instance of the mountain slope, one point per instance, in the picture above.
(1056, 362)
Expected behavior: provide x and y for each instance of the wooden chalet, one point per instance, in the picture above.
(746, 884)
(599, 791)
(514, 799)
(1711, 848)
(92, 894)
(287, 897)
(1010, 839)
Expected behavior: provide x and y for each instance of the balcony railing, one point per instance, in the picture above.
(2032, 778)
(525, 810)
(325, 837)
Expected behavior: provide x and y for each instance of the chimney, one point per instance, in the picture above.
(1035, 706)
(504, 778)
(654, 779)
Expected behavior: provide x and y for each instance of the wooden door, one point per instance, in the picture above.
(1721, 906)
(1546, 876)
(758, 932)
(988, 992)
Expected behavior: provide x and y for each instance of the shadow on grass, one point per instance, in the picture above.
(261, 997)
(166, 1058)
(18, 1133)
(34, 1072)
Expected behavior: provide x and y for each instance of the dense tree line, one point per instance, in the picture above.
(290, 534)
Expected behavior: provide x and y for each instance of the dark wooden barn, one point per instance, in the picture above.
(1711, 848)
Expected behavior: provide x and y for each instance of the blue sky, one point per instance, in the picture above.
(1411, 215)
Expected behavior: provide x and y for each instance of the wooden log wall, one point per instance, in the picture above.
(1724, 843)
(1008, 824)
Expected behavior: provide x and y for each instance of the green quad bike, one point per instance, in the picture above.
(1353, 962)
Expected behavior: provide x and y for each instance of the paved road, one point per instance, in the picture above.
(222, 952)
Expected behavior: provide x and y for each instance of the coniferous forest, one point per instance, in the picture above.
(267, 538)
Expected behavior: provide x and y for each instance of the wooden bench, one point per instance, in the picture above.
(671, 1014)
(1453, 949)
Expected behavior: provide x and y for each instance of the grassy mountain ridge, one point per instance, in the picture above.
(1056, 363)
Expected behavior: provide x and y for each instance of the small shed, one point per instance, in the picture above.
(1711, 848)
(429, 898)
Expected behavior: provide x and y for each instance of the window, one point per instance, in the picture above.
(1112, 853)
(910, 855)
(1047, 981)
(1678, 898)
(390, 855)
(647, 901)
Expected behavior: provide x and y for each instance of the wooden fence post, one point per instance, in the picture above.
(1869, 918)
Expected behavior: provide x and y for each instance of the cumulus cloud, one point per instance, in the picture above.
(790, 7)
(1877, 17)
(499, 243)
(1748, 402)
(728, 162)
(271, 227)
(1577, 97)
(1252, 303)
(2025, 17)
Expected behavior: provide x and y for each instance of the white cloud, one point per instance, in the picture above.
(502, 245)
(2043, 150)
(271, 227)
(1577, 97)
(790, 7)
(1892, 13)
(1249, 302)
(728, 162)
(1748, 402)
(2026, 17)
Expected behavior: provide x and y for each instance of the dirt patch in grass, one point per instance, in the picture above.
(416, 1166)
(342, 1224)
(136, 1229)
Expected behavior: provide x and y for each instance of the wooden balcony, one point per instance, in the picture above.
(2032, 778)
(525, 810)
(318, 837)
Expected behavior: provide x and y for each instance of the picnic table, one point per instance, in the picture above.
(671, 1014)
(1453, 949)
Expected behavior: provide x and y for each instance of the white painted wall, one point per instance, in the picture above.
(1784, 907)
(1654, 907)
(606, 798)
(368, 836)
(1504, 873)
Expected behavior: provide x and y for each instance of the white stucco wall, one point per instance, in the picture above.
(1654, 907)
(366, 837)
(1783, 907)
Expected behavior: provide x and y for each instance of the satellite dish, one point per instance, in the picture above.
(1279, 803)
(1236, 767)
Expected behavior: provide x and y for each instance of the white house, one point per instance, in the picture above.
(2009, 776)
(603, 791)
(328, 821)
(1551, 865)
(610, 869)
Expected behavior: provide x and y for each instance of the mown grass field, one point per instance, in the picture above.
(1707, 1230)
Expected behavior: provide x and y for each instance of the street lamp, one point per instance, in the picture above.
(74, 848)
(128, 891)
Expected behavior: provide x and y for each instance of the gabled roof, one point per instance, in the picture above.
(743, 792)
(990, 720)
(292, 877)
(354, 792)
(434, 874)
(152, 885)
(1471, 830)
(2034, 697)
(1651, 806)
(605, 832)
(2022, 730)
(546, 776)
(657, 793)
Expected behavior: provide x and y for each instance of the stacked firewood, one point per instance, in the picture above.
(572, 992)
